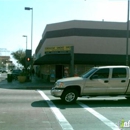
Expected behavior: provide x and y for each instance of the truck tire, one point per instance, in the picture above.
(69, 96)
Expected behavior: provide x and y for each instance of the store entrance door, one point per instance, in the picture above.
(59, 71)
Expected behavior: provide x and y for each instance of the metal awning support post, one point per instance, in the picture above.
(72, 61)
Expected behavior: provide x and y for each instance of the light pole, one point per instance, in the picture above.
(28, 8)
(127, 39)
(26, 40)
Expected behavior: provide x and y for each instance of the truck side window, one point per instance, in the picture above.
(101, 74)
(119, 73)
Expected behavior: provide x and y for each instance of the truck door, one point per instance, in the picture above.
(97, 83)
(118, 82)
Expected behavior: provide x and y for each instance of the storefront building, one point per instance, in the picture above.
(71, 48)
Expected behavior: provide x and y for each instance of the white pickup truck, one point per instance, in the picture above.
(98, 81)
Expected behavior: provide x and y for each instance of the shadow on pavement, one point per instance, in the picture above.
(91, 103)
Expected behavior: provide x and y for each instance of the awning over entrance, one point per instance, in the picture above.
(93, 59)
(53, 59)
(100, 59)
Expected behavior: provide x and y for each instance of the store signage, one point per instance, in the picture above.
(58, 48)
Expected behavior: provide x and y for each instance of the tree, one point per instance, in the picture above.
(20, 57)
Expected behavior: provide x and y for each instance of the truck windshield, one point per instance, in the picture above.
(88, 73)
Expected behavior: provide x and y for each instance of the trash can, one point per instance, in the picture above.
(9, 77)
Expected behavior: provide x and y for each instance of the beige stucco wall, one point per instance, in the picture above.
(92, 45)
(86, 24)
(86, 44)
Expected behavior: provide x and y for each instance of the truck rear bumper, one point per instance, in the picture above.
(56, 92)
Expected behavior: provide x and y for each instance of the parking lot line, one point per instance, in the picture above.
(62, 120)
(100, 117)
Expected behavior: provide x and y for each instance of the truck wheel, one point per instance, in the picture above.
(69, 96)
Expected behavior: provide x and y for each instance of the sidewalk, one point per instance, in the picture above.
(35, 83)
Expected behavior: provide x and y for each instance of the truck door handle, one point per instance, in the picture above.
(122, 81)
(105, 81)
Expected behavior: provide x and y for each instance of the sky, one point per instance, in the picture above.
(15, 21)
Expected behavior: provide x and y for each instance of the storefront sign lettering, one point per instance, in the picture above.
(58, 48)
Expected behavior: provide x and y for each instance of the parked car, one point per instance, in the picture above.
(16, 73)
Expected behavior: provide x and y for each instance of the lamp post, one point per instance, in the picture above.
(28, 8)
(26, 40)
(127, 39)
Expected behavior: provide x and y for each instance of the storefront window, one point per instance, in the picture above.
(80, 69)
(66, 71)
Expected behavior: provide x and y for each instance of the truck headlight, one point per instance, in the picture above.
(59, 85)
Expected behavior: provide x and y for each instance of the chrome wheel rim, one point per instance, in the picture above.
(69, 97)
